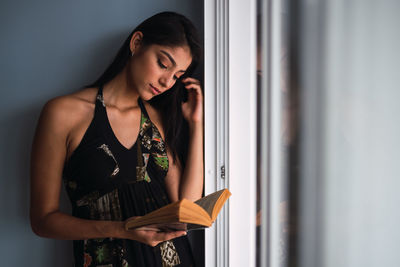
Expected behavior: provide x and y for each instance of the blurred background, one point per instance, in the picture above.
(328, 133)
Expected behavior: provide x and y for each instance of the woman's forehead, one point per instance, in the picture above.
(179, 56)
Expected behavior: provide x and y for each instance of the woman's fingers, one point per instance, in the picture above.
(191, 80)
(193, 86)
(157, 237)
(169, 235)
(152, 238)
(192, 109)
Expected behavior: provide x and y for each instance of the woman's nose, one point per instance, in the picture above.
(167, 81)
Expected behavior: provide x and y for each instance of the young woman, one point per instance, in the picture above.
(124, 146)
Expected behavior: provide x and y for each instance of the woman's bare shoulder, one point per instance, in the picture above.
(69, 109)
(73, 102)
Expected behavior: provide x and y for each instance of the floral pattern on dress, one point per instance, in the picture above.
(104, 252)
(107, 150)
(87, 260)
(145, 125)
(106, 207)
(159, 155)
(152, 141)
(141, 171)
(169, 255)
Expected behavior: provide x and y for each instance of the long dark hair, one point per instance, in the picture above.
(168, 29)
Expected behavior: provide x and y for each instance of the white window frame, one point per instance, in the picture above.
(230, 128)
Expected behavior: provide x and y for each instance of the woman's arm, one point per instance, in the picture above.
(191, 186)
(47, 161)
(188, 183)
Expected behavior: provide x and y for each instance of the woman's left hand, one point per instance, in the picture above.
(192, 109)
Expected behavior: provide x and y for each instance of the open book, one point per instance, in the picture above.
(182, 215)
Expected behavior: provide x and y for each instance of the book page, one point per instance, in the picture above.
(208, 202)
(171, 217)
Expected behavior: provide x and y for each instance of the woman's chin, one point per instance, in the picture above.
(147, 97)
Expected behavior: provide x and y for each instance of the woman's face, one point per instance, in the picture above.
(155, 69)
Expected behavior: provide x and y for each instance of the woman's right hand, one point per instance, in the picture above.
(148, 237)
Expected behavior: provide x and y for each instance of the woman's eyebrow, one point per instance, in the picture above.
(170, 58)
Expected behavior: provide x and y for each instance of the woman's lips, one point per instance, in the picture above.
(155, 90)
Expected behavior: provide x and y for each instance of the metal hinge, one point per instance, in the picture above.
(223, 171)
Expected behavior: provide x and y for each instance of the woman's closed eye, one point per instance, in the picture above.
(160, 64)
(165, 67)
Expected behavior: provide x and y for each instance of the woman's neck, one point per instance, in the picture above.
(119, 93)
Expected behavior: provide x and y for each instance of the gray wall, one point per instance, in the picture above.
(50, 48)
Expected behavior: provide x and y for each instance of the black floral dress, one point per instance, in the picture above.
(107, 181)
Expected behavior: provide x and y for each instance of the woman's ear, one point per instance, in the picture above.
(136, 41)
